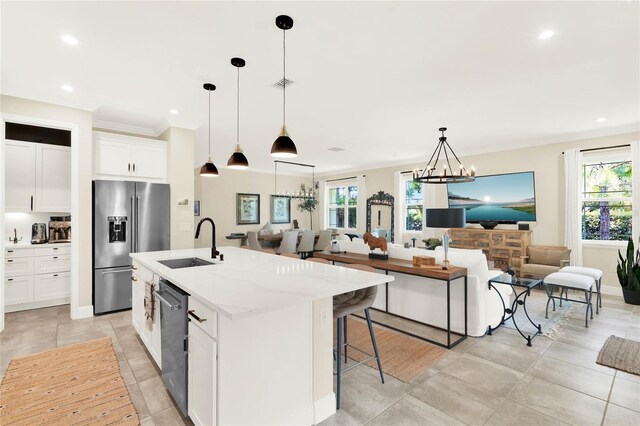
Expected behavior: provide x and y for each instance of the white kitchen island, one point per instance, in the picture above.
(264, 353)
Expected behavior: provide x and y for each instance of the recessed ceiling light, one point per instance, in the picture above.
(601, 119)
(69, 39)
(66, 88)
(336, 149)
(173, 111)
(546, 34)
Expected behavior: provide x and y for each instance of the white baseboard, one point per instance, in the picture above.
(36, 305)
(611, 290)
(324, 408)
(82, 312)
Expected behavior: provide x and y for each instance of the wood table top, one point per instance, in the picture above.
(395, 265)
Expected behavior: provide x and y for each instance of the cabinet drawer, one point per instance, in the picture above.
(52, 251)
(18, 267)
(141, 272)
(49, 264)
(51, 286)
(18, 290)
(19, 252)
(208, 318)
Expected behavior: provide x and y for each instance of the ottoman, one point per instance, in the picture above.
(596, 274)
(566, 281)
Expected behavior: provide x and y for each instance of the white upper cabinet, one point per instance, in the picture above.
(37, 177)
(119, 157)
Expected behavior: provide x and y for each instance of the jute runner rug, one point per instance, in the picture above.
(76, 384)
(621, 354)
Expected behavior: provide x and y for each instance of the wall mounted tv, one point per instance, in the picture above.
(505, 198)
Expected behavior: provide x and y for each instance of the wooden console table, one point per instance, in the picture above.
(502, 246)
(406, 267)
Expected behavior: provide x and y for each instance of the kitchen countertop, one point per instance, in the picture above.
(250, 282)
(26, 244)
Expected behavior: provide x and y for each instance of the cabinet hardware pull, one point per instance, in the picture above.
(55, 275)
(9, 251)
(134, 167)
(32, 203)
(128, 167)
(9, 260)
(133, 278)
(55, 248)
(134, 268)
(10, 279)
(55, 257)
(192, 313)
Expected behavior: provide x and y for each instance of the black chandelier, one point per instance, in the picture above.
(446, 174)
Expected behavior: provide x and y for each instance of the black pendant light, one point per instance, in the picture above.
(284, 147)
(209, 169)
(430, 173)
(238, 160)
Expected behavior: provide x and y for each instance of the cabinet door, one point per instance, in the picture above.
(137, 308)
(156, 337)
(113, 158)
(51, 264)
(51, 286)
(53, 178)
(18, 290)
(149, 161)
(20, 176)
(18, 267)
(202, 377)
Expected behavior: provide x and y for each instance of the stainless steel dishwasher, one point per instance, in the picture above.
(175, 331)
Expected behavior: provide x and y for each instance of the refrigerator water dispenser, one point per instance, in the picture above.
(117, 229)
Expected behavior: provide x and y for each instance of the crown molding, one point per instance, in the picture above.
(126, 128)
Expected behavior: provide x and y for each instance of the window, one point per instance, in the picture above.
(413, 203)
(606, 200)
(343, 206)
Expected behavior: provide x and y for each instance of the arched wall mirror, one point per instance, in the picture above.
(380, 215)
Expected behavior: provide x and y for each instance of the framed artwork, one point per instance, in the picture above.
(247, 209)
(196, 208)
(280, 209)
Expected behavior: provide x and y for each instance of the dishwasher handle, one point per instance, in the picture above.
(161, 297)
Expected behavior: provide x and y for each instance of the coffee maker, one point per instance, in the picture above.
(39, 233)
(60, 229)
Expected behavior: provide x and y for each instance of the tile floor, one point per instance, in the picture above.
(494, 380)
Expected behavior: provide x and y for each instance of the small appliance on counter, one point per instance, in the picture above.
(60, 229)
(39, 233)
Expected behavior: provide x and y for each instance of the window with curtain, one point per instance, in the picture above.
(342, 206)
(606, 198)
(413, 205)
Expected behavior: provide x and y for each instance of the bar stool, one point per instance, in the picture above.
(345, 305)
(292, 255)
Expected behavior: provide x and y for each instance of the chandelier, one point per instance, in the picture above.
(434, 173)
(301, 195)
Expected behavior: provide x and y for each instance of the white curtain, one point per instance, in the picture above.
(361, 211)
(573, 223)
(635, 189)
(398, 208)
(322, 204)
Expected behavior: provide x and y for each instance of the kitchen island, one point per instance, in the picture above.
(260, 337)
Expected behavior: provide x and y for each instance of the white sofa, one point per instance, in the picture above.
(425, 300)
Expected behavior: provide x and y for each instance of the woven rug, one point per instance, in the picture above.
(76, 384)
(402, 357)
(621, 354)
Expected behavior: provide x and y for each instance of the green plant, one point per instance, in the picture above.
(432, 243)
(628, 268)
(309, 204)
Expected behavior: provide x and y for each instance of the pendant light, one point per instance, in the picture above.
(238, 160)
(284, 147)
(448, 175)
(209, 169)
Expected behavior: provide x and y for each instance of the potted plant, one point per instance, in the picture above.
(629, 274)
(309, 204)
(432, 243)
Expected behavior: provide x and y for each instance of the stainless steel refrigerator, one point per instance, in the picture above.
(128, 217)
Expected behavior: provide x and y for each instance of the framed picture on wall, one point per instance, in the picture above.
(247, 209)
(196, 208)
(280, 209)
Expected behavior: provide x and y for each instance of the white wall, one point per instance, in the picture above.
(547, 163)
(82, 164)
(217, 197)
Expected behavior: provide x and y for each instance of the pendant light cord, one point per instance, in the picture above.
(284, 78)
(209, 124)
(238, 110)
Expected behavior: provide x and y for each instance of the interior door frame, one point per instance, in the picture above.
(75, 161)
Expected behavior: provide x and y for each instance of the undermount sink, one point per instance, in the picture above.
(188, 262)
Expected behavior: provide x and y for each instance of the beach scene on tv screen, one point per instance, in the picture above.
(508, 197)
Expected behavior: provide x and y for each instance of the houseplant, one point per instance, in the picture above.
(309, 204)
(629, 274)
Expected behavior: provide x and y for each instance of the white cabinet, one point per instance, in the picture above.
(202, 381)
(149, 330)
(131, 158)
(37, 177)
(137, 297)
(37, 276)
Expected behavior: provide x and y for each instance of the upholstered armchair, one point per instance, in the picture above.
(543, 260)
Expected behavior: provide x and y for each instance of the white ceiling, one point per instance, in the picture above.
(377, 79)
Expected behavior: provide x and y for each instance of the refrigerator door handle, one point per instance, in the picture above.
(136, 218)
(133, 225)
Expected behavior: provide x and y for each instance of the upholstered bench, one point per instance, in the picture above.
(596, 274)
(566, 281)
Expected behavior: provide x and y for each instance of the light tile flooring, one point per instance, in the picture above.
(494, 380)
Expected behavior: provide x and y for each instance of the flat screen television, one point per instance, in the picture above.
(505, 198)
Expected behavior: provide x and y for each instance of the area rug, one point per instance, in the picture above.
(621, 354)
(76, 384)
(536, 305)
(402, 357)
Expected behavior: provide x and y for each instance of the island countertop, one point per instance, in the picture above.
(250, 282)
